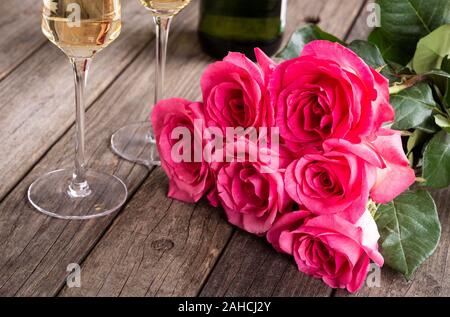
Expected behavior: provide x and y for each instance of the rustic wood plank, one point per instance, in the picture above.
(156, 247)
(125, 263)
(21, 32)
(34, 249)
(338, 17)
(36, 100)
(361, 29)
(249, 266)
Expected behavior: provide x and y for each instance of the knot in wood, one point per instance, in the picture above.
(162, 244)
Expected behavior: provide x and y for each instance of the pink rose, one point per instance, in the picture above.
(188, 180)
(328, 92)
(290, 221)
(251, 191)
(235, 93)
(397, 176)
(393, 175)
(269, 156)
(329, 247)
(335, 181)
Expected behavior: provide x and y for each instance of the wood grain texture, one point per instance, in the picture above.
(20, 27)
(37, 99)
(361, 28)
(133, 267)
(156, 247)
(249, 266)
(34, 249)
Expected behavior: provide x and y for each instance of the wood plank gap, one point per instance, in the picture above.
(25, 58)
(234, 231)
(356, 19)
(20, 26)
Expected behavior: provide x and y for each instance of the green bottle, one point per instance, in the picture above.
(241, 25)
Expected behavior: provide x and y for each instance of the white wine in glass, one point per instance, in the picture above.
(136, 142)
(77, 35)
(165, 7)
(80, 28)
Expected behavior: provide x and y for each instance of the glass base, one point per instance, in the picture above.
(136, 143)
(52, 195)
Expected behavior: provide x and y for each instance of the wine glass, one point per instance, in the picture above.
(80, 28)
(136, 142)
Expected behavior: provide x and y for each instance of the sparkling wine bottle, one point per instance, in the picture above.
(241, 25)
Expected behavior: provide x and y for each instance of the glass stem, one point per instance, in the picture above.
(79, 186)
(162, 36)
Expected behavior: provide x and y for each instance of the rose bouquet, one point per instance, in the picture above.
(307, 151)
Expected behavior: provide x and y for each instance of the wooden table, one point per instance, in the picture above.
(154, 246)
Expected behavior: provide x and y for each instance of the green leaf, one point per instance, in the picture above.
(417, 139)
(437, 73)
(368, 52)
(443, 122)
(414, 108)
(415, 144)
(303, 36)
(389, 50)
(436, 161)
(400, 69)
(446, 98)
(409, 230)
(372, 56)
(432, 49)
(404, 23)
(446, 69)
(438, 77)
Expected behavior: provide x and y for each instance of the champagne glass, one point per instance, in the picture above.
(136, 142)
(80, 28)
